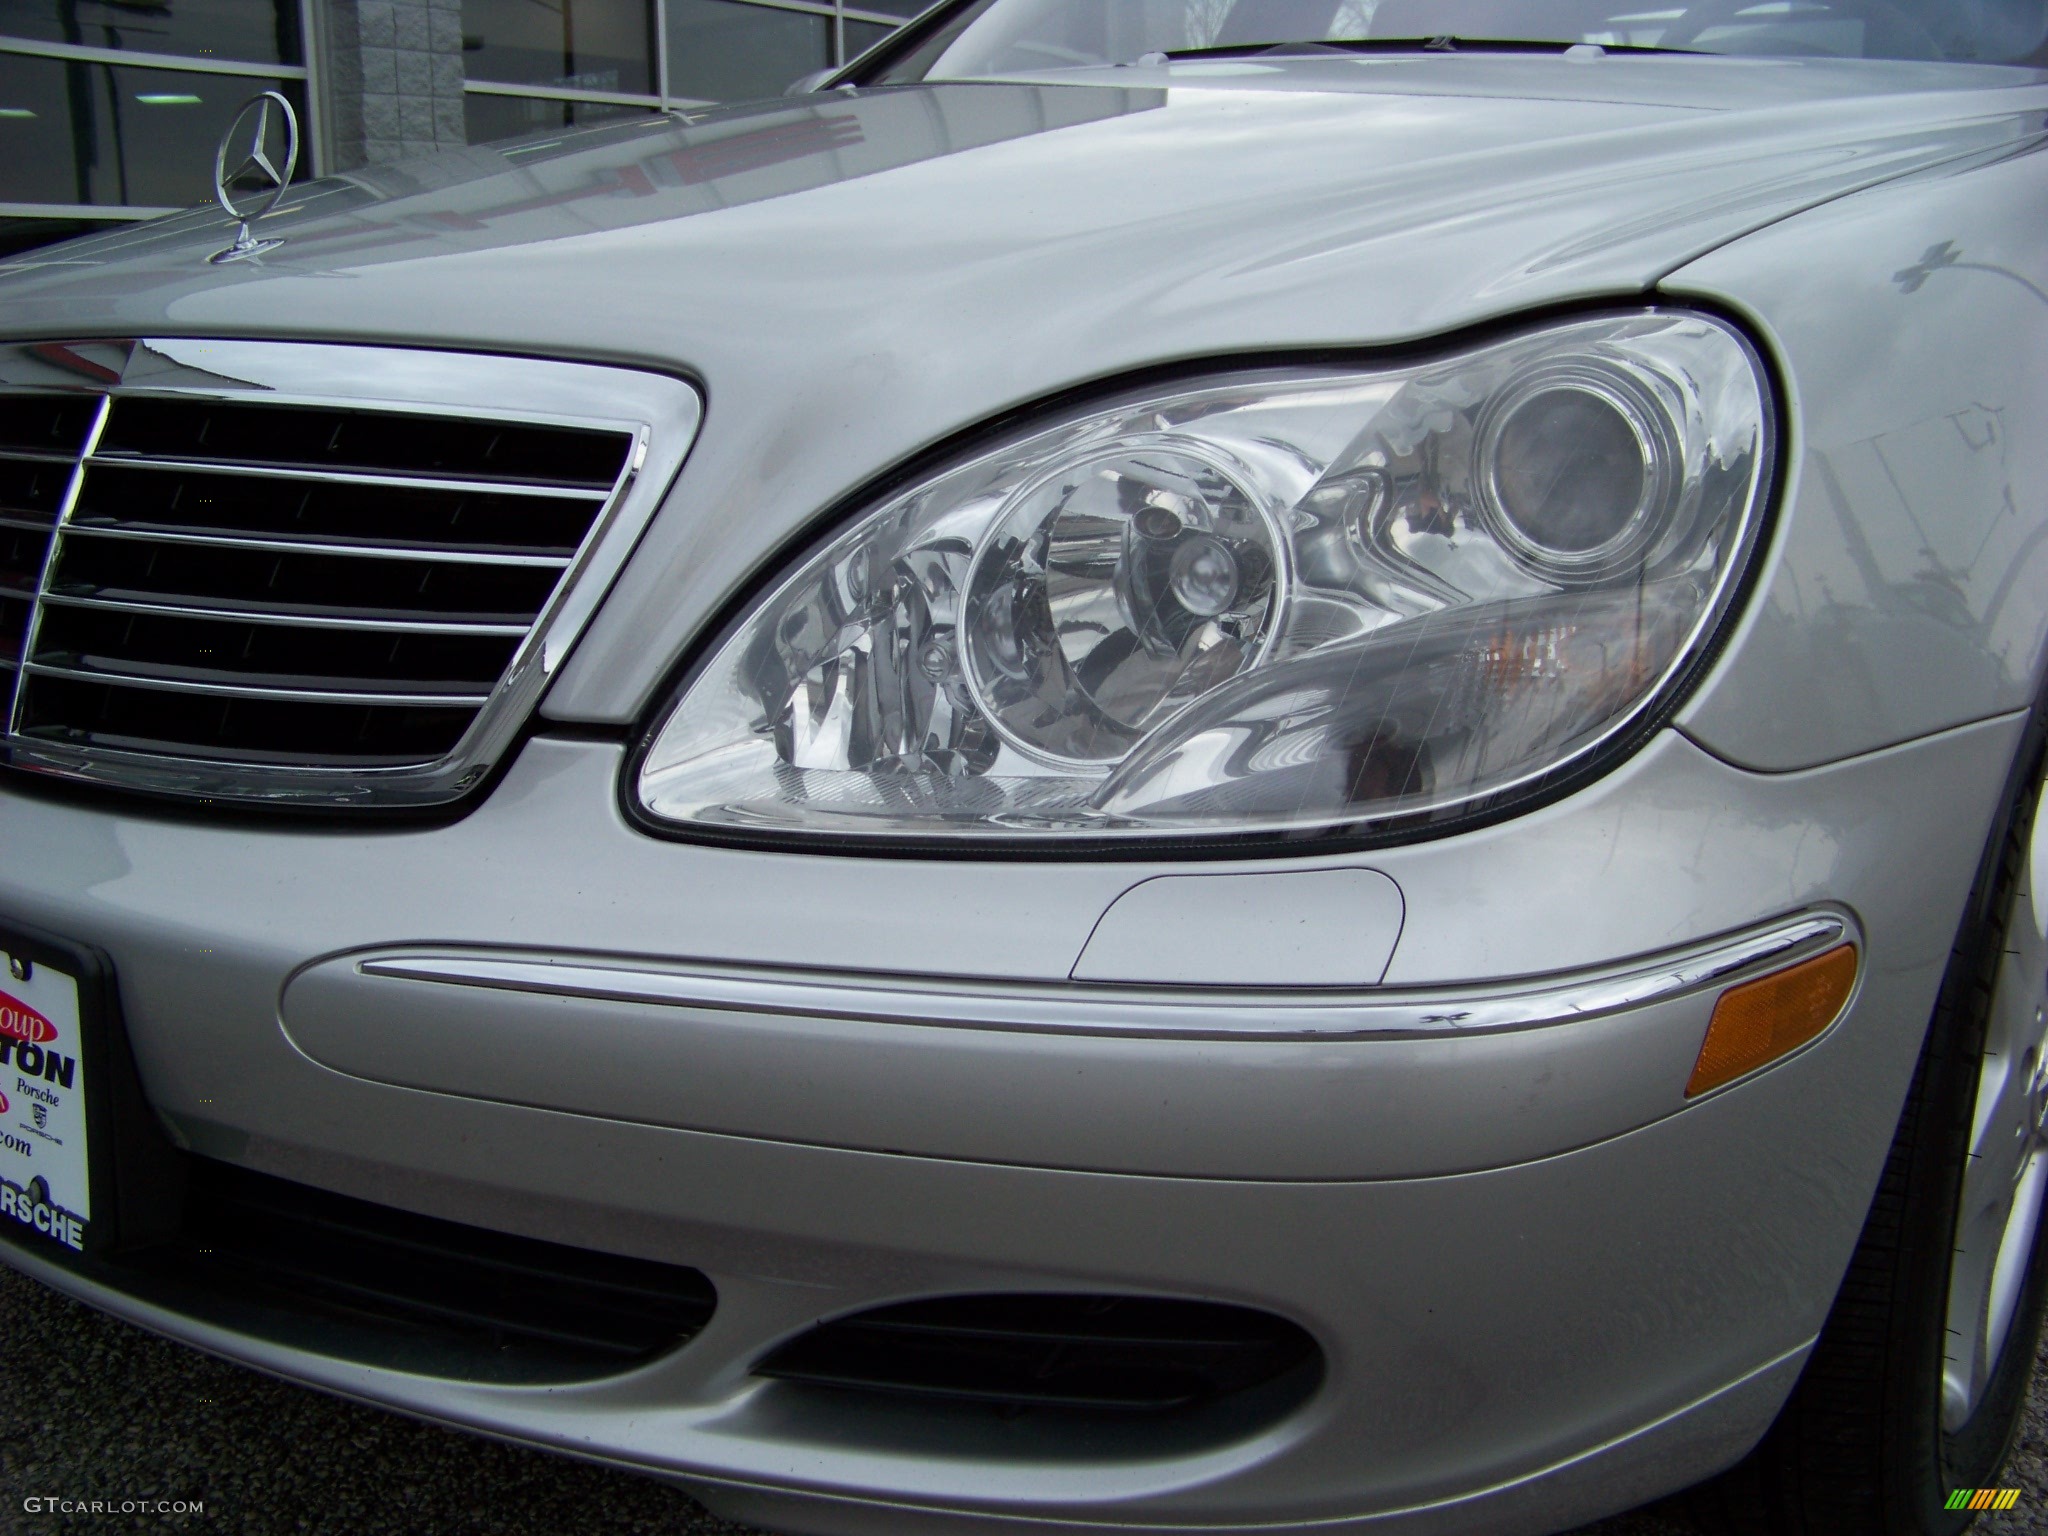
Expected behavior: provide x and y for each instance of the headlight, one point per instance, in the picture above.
(1277, 602)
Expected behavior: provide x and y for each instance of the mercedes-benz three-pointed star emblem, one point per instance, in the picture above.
(262, 144)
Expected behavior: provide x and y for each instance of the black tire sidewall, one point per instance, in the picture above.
(1932, 1463)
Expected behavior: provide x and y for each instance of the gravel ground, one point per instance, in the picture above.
(93, 1408)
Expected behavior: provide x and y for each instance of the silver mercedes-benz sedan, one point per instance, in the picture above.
(1184, 765)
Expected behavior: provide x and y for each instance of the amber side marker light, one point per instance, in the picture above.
(1759, 1021)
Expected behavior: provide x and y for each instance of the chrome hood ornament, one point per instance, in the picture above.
(262, 146)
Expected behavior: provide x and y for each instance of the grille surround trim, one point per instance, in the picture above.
(660, 415)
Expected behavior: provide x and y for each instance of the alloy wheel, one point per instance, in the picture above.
(1999, 1211)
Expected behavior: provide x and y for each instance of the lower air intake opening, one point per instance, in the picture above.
(1057, 1357)
(355, 1280)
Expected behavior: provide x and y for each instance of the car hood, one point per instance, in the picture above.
(855, 275)
(1401, 194)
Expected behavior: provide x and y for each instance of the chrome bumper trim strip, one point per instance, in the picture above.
(1158, 1012)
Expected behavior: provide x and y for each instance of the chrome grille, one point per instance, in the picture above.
(41, 437)
(311, 573)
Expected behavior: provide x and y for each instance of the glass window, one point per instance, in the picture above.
(507, 117)
(583, 45)
(891, 7)
(726, 50)
(112, 135)
(262, 31)
(863, 35)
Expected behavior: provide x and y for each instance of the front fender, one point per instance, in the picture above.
(1905, 588)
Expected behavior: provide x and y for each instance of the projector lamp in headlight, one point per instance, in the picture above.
(1575, 470)
(1112, 591)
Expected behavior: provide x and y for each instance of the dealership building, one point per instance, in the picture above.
(110, 109)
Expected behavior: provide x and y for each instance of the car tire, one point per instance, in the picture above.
(1867, 1444)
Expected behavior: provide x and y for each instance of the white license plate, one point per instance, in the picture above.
(45, 1183)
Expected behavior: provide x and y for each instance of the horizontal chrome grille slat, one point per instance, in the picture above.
(258, 431)
(344, 513)
(307, 581)
(138, 727)
(280, 612)
(220, 650)
(244, 691)
(296, 620)
(352, 477)
(317, 547)
(302, 572)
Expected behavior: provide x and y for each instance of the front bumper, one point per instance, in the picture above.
(1552, 1295)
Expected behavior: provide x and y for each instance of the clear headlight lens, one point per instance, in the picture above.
(1276, 602)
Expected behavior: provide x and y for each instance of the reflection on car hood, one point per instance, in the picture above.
(1403, 194)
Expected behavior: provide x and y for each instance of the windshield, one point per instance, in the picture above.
(993, 37)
